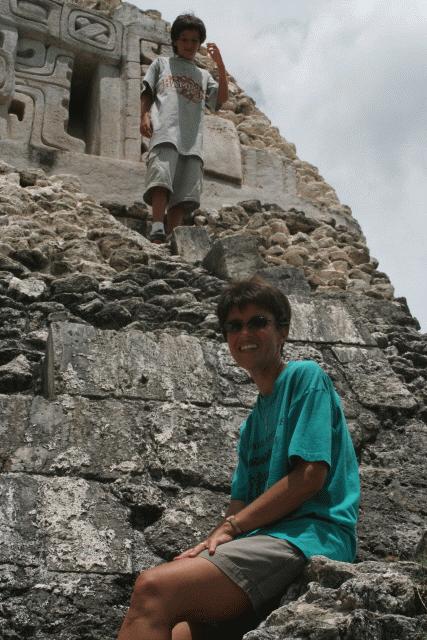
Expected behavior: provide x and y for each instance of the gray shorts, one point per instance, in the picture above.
(262, 566)
(181, 175)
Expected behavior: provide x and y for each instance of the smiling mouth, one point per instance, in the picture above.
(249, 347)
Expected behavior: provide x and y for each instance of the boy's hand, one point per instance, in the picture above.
(146, 127)
(214, 53)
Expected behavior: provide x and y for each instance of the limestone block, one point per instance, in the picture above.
(316, 320)
(132, 149)
(27, 290)
(221, 149)
(82, 360)
(372, 379)
(105, 119)
(186, 521)
(149, 51)
(64, 600)
(234, 257)
(265, 169)
(287, 279)
(191, 243)
(21, 538)
(90, 32)
(112, 438)
(340, 600)
(145, 26)
(187, 437)
(85, 527)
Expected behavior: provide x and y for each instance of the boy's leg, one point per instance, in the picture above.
(190, 589)
(186, 190)
(159, 201)
(175, 218)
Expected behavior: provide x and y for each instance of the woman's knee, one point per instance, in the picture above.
(148, 592)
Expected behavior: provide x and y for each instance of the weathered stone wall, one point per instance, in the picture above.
(119, 403)
(116, 390)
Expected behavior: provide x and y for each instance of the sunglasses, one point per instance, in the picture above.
(253, 324)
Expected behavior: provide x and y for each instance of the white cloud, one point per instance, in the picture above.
(347, 83)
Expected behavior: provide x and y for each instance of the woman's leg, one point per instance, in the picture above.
(190, 631)
(192, 590)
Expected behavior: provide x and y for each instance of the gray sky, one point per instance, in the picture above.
(346, 81)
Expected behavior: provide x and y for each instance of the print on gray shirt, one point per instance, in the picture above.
(180, 91)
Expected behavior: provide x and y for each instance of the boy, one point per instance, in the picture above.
(295, 491)
(176, 91)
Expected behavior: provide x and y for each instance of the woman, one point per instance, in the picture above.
(294, 493)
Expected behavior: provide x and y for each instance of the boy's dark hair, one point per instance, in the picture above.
(257, 291)
(187, 21)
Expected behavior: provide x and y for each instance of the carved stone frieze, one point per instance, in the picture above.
(7, 76)
(33, 16)
(8, 39)
(91, 33)
(44, 124)
(37, 62)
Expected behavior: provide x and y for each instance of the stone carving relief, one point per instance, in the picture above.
(8, 39)
(36, 16)
(72, 80)
(92, 33)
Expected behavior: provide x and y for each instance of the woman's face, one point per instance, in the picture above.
(254, 339)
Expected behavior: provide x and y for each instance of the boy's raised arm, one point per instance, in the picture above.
(215, 54)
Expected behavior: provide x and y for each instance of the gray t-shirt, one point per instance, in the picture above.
(180, 91)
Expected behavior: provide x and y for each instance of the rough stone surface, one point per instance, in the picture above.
(191, 243)
(234, 257)
(369, 600)
(116, 387)
(115, 383)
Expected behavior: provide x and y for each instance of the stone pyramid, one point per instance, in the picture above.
(119, 404)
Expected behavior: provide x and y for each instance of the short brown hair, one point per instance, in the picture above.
(184, 22)
(257, 291)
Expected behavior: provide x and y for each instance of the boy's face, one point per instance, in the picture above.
(188, 44)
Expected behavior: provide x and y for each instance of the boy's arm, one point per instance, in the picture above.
(146, 126)
(215, 54)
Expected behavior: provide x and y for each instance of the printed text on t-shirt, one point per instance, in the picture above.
(184, 85)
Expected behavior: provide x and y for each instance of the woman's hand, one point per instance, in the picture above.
(223, 533)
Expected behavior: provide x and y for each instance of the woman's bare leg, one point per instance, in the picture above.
(185, 631)
(192, 590)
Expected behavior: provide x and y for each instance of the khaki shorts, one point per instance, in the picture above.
(262, 566)
(181, 175)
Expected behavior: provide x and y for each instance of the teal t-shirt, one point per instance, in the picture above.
(302, 417)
